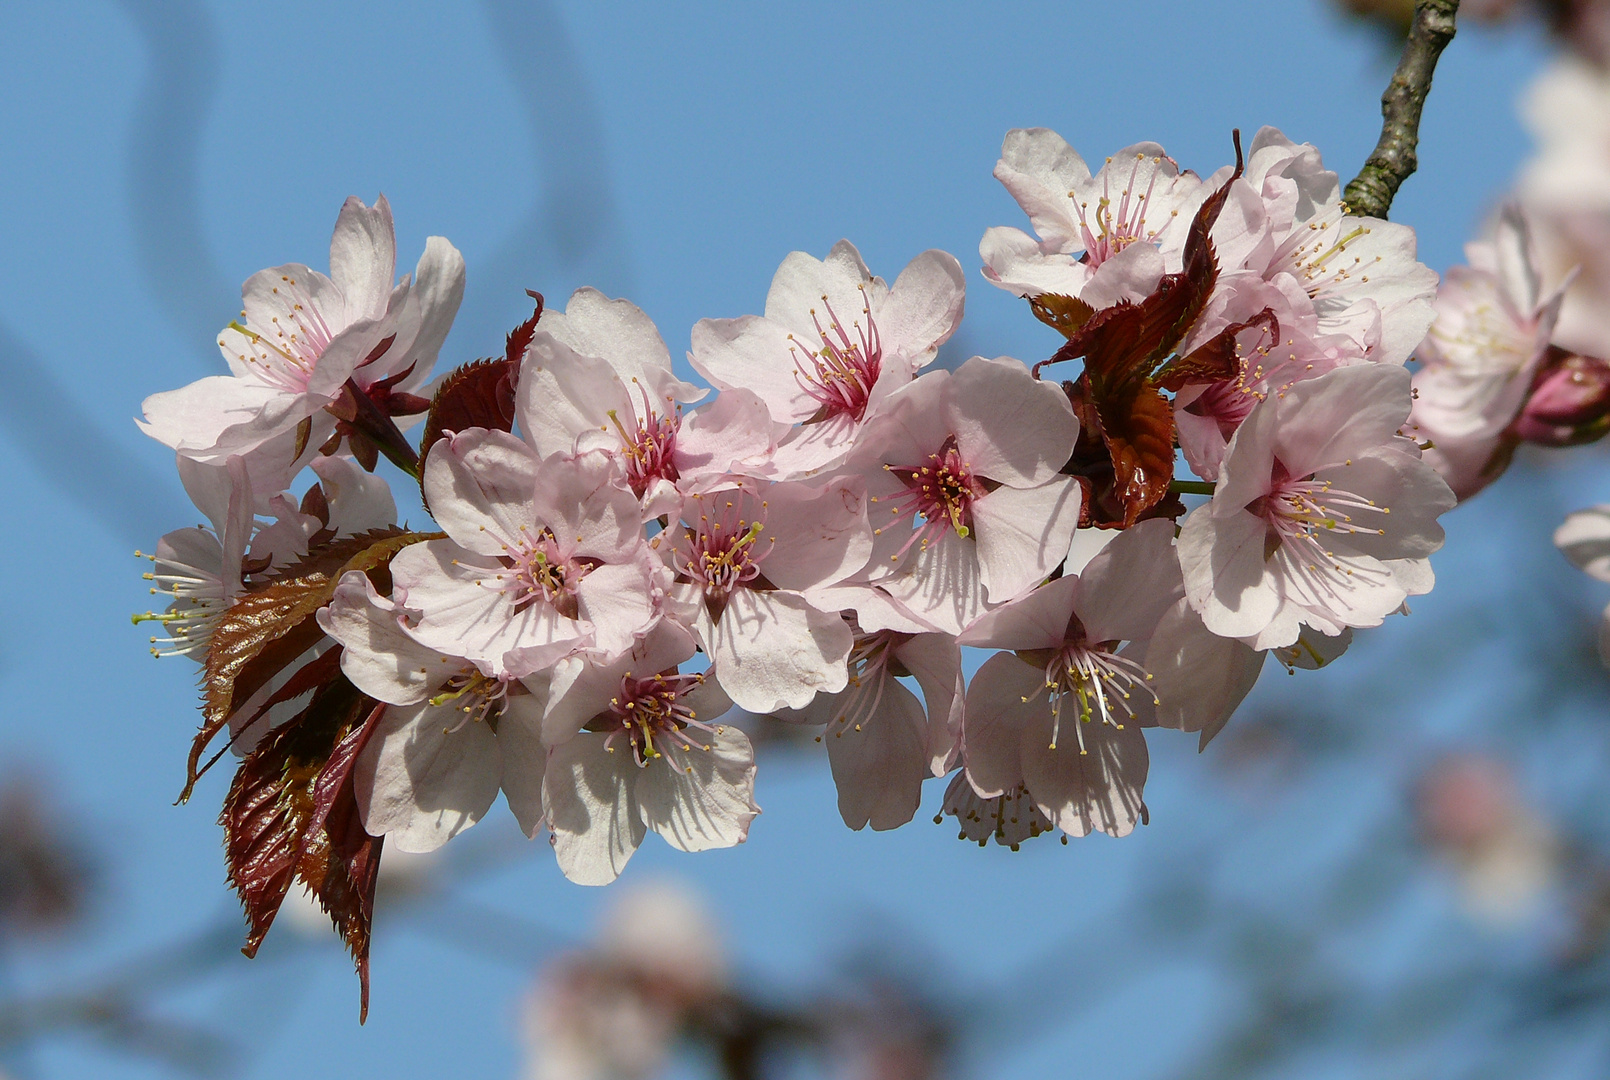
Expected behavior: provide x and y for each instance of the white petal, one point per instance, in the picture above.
(588, 798)
(996, 714)
(773, 650)
(1099, 790)
(421, 784)
(480, 486)
(701, 799)
(363, 257)
(879, 763)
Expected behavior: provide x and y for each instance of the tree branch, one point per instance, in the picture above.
(1370, 194)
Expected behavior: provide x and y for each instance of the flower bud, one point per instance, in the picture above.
(1570, 403)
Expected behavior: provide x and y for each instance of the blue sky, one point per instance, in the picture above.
(159, 152)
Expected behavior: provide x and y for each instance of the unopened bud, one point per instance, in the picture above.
(1570, 405)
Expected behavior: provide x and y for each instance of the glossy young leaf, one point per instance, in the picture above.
(267, 629)
(291, 815)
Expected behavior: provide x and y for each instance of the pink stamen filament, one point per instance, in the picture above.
(1115, 231)
(941, 492)
(650, 448)
(723, 550)
(284, 357)
(653, 709)
(539, 572)
(841, 374)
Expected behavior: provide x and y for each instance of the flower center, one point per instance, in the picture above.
(1098, 680)
(653, 717)
(1488, 341)
(840, 375)
(284, 354)
(940, 491)
(481, 696)
(1301, 513)
(543, 574)
(1110, 228)
(650, 448)
(1319, 260)
(725, 551)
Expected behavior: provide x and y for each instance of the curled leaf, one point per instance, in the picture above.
(1064, 314)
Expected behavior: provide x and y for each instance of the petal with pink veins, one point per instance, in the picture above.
(1022, 533)
(480, 485)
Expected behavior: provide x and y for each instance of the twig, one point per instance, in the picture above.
(1370, 194)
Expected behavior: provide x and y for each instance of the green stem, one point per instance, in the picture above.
(1191, 487)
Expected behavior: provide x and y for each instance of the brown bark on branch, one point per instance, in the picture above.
(1371, 191)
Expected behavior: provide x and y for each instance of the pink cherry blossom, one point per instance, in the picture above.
(597, 376)
(451, 737)
(635, 748)
(1493, 328)
(1278, 344)
(1565, 189)
(1102, 238)
(1359, 275)
(541, 558)
(1323, 515)
(745, 559)
(968, 506)
(834, 342)
(1584, 538)
(1069, 666)
(204, 567)
(304, 335)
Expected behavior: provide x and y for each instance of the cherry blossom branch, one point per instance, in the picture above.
(1191, 487)
(1370, 192)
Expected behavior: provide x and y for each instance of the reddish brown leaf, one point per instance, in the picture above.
(291, 815)
(1064, 314)
(268, 628)
(337, 859)
(1217, 358)
(519, 338)
(1125, 348)
(1142, 448)
(478, 394)
(481, 393)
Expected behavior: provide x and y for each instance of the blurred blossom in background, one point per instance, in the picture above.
(1397, 866)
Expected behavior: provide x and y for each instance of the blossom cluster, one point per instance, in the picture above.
(624, 556)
